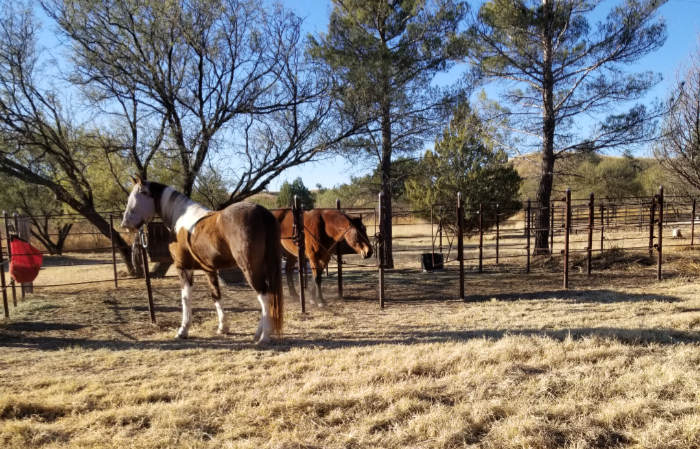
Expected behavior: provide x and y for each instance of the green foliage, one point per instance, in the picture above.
(613, 178)
(288, 191)
(211, 189)
(462, 162)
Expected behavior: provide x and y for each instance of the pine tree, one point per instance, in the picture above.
(465, 161)
(560, 66)
(384, 55)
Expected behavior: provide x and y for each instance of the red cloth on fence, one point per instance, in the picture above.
(25, 262)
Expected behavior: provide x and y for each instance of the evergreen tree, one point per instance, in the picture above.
(560, 66)
(288, 191)
(464, 161)
(384, 55)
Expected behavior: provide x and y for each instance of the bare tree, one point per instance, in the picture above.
(207, 75)
(39, 142)
(679, 147)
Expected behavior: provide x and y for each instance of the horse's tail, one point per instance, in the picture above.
(273, 273)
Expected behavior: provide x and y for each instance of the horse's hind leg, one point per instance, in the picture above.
(216, 296)
(262, 335)
(289, 263)
(186, 281)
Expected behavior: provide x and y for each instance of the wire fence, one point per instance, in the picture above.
(569, 232)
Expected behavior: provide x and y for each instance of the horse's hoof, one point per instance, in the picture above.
(222, 330)
(181, 335)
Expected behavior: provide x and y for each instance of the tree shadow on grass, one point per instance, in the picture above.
(235, 342)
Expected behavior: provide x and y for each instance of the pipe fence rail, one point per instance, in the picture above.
(567, 234)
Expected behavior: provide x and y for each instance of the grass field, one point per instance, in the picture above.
(614, 363)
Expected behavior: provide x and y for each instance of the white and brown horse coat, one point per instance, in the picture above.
(244, 234)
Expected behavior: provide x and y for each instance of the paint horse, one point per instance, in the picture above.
(243, 234)
(325, 230)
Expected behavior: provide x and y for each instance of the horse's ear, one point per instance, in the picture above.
(136, 179)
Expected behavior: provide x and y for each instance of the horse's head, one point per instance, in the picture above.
(356, 237)
(141, 206)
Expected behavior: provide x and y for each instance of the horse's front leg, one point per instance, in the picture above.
(186, 281)
(216, 296)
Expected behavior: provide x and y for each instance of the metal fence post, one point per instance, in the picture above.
(432, 239)
(551, 227)
(660, 240)
(527, 236)
(652, 212)
(692, 225)
(602, 227)
(460, 244)
(566, 238)
(380, 249)
(591, 218)
(15, 219)
(6, 308)
(9, 258)
(299, 235)
(147, 275)
(114, 253)
(339, 257)
(481, 238)
(498, 236)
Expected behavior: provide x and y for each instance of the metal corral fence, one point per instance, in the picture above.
(577, 230)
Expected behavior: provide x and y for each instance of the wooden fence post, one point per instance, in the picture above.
(692, 225)
(9, 258)
(6, 308)
(591, 218)
(660, 239)
(339, 257)
(481, 238)
(498, 236)
(567, 231)
(380, 249)
(527, 236)
(652, 213)
(147, 274)
(300, 237)
(460, 244)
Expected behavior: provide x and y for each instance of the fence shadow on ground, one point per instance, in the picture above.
(67, 261)
(581, 296)
(640, 336)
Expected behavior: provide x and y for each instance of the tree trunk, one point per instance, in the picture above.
(386, 187)
(103, 226)
(544, 190)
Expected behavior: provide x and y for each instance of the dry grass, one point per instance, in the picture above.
(522, 364)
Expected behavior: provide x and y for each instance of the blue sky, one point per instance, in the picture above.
(683, 24)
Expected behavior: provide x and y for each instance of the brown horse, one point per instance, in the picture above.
(243, 234)
(325, 230)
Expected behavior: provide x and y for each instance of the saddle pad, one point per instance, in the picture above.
(25, 262)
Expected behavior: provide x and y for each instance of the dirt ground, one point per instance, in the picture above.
(612, 362)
